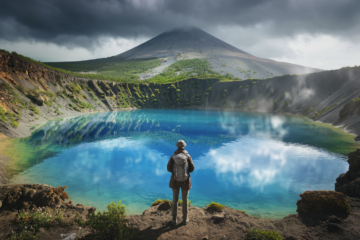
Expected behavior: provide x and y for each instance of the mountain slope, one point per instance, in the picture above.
(190, 43)
(31, 94)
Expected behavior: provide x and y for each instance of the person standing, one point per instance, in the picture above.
(180, 165)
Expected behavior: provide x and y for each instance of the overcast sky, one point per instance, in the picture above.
(317, 33)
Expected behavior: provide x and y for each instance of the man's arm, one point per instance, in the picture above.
(191, 164)
(170, 165)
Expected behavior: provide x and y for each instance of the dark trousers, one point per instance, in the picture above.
(185, 195)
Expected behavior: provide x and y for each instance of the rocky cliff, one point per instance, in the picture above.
(32, 94)
(349, 182)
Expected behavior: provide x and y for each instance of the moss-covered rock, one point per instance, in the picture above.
(323, 202)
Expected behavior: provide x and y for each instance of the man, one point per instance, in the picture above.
(180, 165)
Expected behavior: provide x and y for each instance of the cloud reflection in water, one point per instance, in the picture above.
(256, 162)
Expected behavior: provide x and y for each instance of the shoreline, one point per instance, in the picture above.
(36, 125)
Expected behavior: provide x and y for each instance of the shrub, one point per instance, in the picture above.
(57, 112)
(75, 87)
(110, 224)
(257, 234)
(14, 124)
(74, 107)
(39, 218)
(216, 207)
(178, 90)
(356, 99)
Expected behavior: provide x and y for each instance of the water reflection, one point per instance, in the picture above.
(256, 162)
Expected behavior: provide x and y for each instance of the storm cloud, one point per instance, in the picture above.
(261, 27)
(85, 23)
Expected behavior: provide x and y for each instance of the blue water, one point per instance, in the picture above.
(259, 163)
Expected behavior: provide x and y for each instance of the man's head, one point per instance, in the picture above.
(181, 144)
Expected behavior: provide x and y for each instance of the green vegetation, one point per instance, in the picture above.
(257, 234)
(316, 114)
(113, 69)
(49, 103)
(34, 109)
(356, 99)
(121, 70)
(6, 115)
(308, 111)
(159, 201)
(180, 202)
(14, 124)
(57, 112)
(75, 87)
(216, 207)
(108, 224)
(74, 107)
(185, 69)
(244, 212)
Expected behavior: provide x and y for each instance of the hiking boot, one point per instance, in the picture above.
(174, 221)
(186, 221)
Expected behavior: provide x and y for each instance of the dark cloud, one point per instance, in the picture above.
(85, 22)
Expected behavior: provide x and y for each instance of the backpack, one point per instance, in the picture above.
(180, 167)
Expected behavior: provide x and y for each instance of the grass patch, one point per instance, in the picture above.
(74, 107)
(216, 207)
(34, 109)
(316, 114)
(14, 124)
(121, 70)
(180, 202)
(49, 103)
(257, 234)
(185, 69)
(159, 201)
(110, 224)
(57, 112)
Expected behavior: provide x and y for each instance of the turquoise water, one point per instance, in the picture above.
(259, 163)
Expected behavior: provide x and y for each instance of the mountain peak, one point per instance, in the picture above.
(184, 39)
(189, 42)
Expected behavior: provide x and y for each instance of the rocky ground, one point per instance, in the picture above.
(155, 222)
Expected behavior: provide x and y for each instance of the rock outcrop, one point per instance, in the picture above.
(349, 182)
(31, 196)
(322, 202)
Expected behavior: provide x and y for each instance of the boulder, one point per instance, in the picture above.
(165, 205)
(37, 99)
(357, 139)
(24, 196)
(322, 202)
(349, 182)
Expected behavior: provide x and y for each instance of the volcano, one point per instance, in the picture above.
(192, 42)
